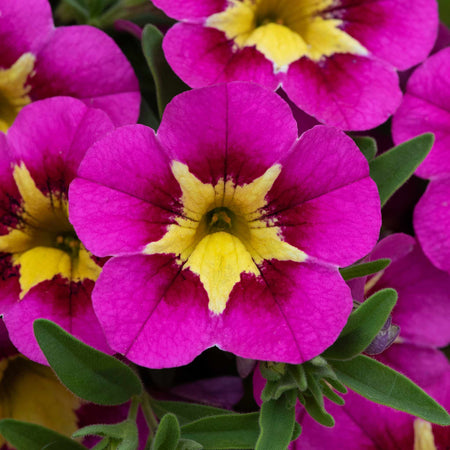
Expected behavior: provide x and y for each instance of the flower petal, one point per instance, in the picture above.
(190, 9)
(85, 63)
(249, 129)
(203, 56)
(25, 26)
(350, 92)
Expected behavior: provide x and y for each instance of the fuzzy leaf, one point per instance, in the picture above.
(367, 145)
(393, 168)
(363, 325)
(383, 385)
(231, 431)
(29, 436)
(88, 373)
(277, 420)
(362, 270)
(188, 444)
(168, 434)
(318, 412)
(167, 83)
(186, 412)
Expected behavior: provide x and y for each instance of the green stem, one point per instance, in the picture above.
(132, 412)
(149, 414)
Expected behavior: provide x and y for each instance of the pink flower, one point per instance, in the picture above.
(44, 269)
(336, 59)
(422, 312)
(38, 61)
(226, 229)
(426, 108)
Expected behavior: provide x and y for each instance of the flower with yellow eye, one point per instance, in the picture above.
(45, 271)
(336, 59)
(226, 229)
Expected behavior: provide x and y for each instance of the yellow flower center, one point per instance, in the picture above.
(31, 392)
(44, 243)
(285, 30)
(221, 232)
(14, 90)
(423, 435)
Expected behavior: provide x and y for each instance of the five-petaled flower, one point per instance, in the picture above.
(336, 59)
(38, 61)
(45, 270)
(226, 229)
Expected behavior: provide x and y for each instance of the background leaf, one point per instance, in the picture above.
(232, 431)
(363, 325)
(186, 412)
(383, 385)
(167, 83)
(367, 145)
(29, 436)
(393, 168)
(362, 270)
(88, 373)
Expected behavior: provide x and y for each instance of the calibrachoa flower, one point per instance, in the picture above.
(422, 312)
(335, 59)
(426, 108)
(44, 269)
(227, 229)
(38, 61)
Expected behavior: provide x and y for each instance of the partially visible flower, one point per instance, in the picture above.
(38, 61)
(45, 271)
(335, 59)
(426, 108)
(227, 229)
(422, 313)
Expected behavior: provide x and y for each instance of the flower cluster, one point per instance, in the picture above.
(241, 215)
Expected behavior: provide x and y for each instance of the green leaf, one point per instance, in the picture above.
(393, 168)
(330, 394)
(120, 430)
(444, 11)
(277, 420)
(147, 116)
(317, 412)
(270, 371)
(88, 373)
(362, 270)
(296, 432)
(383, 385)
(188, 444)
(298, 374)
(314, 389)
(29, 436)
(186, 412)
(367, 145)
(231, 431)
(168, 433)
(167, 83)
(363, 325)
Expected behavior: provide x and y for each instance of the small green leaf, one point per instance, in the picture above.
(167, 83)
(336, 385)
(317, 412)
(444, 11)
(276, 420)
(383, 385)
(168, 433)
(367, 145)
(104, 443)
(186, 412)
(231, 431)
(298, 374)
(363, 325)
(362, 270)
(29, 436)
(270, 371)
(88, 373)
(116, 430)
(314, 389)
(188, 444)
(330, 394)
(393, 168)
(296, 432)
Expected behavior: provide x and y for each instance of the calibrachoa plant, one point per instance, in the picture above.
(228, 263)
